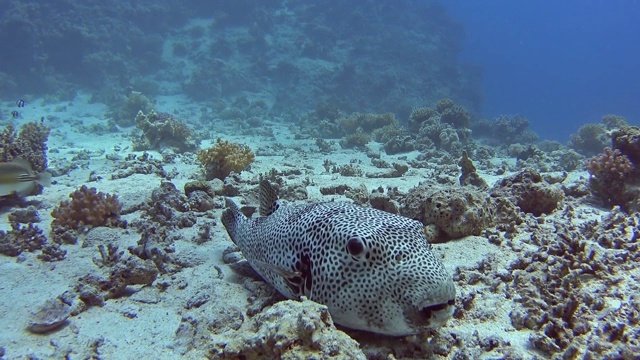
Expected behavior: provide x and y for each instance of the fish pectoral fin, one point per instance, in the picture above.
(294, 278)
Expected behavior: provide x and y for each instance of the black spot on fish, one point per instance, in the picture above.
(20, 103)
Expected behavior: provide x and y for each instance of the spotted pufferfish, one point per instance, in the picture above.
(374, 270)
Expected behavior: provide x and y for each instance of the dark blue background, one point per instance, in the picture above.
(559, 63)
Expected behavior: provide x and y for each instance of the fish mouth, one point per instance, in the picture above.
(438, 314)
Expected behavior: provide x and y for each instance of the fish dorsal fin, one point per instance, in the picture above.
(268, 199)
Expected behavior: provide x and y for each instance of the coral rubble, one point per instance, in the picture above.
(289, 330)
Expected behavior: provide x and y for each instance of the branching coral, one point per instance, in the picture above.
(457, 116)
(566, 285)
(612, 121)
(506, 129)
(21, 238)
(446, 126)
(224, 157)
(162, 130)
(30, 144)
(357, 139)
(590, 139)
(419, 116)
(609, 171)
(88, 208)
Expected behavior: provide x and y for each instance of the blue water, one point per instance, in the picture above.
(559, 63)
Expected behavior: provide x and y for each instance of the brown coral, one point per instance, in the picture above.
(224, 157)
(565, 287)
(88, 208)
(30, 144)
(627, 140)
(457, 116)
(609, 171)
(419, 116)
(125, 111)
(368, 122)
(469, 174)
(21, 238)
(529, 191)
(590, 139)
(162, 130)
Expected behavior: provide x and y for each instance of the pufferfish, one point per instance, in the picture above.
(375, 271)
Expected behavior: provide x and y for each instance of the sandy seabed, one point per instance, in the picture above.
(201, 308)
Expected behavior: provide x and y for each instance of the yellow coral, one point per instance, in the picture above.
(224, 157)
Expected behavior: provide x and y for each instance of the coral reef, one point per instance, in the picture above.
(368, 121)
(122, 271)
(505, 130)
(590, 139)
(225, 157)
(453, 114)
(529, 191)
(21, 238)
(457, 212)
(289, 330)
(167, 207)
(446, 127)
(124, 112)
(24, 216)
(161, 130)
(421, 115)
(567, 159)
(156, 246)
(609, 173)
(139, 164)
(30, 144)
(399, 144)
(355, 140)
(397, 170)
(452, 212)
(88, 208)
(469, 174)
(626, 139)
(214, 65)
(347, 170)
(613, 122)
(571, 287)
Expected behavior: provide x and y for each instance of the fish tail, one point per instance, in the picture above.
(232, 219)
(44, 178)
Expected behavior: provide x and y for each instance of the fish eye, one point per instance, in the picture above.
(355, 246)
